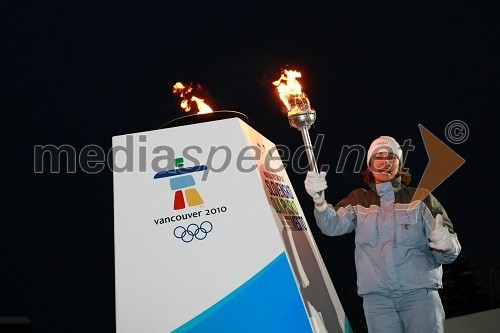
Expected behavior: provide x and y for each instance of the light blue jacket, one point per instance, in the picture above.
(392, 237)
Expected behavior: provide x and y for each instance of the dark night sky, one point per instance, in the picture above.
(80, 74)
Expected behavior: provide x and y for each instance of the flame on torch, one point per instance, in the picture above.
(290, 92)
(186, 102)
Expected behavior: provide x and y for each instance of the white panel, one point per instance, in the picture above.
(161, 281)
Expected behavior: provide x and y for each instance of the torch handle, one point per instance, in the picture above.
(309, 149)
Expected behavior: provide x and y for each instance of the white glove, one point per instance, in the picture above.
(315, 184)
(440, 236)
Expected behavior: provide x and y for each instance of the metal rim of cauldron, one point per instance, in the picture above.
(204, 117)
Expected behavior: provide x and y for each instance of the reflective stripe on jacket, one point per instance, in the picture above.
(392, 237)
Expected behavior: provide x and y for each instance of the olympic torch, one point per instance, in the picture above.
(300, 114)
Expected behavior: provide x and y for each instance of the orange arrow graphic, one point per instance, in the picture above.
(443, 161)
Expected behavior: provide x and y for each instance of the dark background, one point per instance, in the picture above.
(79, 74)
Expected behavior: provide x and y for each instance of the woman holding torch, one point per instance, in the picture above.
(401, 243)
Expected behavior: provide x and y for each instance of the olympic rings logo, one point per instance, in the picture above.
(193, 231)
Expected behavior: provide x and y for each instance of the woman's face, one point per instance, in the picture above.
(384, 166)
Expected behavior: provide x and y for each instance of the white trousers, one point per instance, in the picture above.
(416, 311)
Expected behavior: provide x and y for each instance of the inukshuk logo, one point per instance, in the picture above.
(183, 184)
